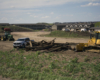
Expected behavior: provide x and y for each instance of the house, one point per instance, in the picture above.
(58, 26)
(81, 25)
(71, 26)
(83, 29)
(75, 26)
(74, 29)
(65, 29)
(95, 29)
(85, 25)
(68, 25)
(91, 25)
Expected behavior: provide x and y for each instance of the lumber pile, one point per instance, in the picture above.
(47, 46)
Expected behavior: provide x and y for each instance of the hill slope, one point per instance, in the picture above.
(16, 29)
(68, 34)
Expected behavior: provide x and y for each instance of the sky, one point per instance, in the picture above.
(49, 11)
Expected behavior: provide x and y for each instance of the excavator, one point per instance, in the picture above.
(7, 35)
(93, 43)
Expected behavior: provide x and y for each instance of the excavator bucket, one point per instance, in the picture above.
(80, 46)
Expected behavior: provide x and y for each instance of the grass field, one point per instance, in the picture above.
(47, 66)
(97, 24)
(69, 34)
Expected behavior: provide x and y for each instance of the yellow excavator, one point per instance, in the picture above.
(93, 43)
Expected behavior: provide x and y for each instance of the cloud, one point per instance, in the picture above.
(8, 4)
(35, 16)
(11, 18)
(45, 17)
(12, 6)
(18, 20)
(69, 15)
(28, 13)
(4, 19)
(91, 4)
(57, 17)
(52, 13)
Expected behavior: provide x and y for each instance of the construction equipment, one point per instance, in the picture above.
(47, 46)
(7, 35)
(93, 43)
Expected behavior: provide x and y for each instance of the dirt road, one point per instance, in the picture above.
(35, 36)
(8, 45)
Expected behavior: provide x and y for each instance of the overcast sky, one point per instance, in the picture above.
(34, 11)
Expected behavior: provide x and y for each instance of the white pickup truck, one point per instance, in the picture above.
(21, 42)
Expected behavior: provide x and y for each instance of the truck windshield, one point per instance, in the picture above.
(20, 39)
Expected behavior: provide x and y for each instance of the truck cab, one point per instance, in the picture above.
(21, 42)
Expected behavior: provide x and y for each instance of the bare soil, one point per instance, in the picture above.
(8, 45)
(1, 78)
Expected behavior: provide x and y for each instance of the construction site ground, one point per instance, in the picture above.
(8, 45)
(36, 36)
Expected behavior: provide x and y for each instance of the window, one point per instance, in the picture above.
(98, 35)
(27, 39)
(20, 40)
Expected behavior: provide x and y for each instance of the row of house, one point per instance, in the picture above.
(60, 26)
(72, 27)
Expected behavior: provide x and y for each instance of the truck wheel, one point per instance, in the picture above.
(84, 49)
(14, 47)
(9, 40)
(13, 39)
(23, 46)
(3, 39)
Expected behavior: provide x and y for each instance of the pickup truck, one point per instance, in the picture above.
(21, 42)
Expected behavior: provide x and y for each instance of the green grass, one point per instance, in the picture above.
(42, 66)
(97, 24)
(68, 34)
(46, 29)
(15, 28)
(36, 30)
